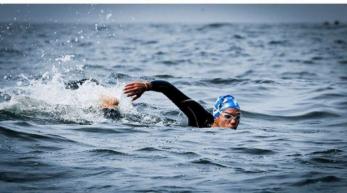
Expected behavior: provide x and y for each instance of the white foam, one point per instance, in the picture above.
(48, 96)
(65, 58)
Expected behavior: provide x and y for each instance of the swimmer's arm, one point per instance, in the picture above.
(136, 89)
(194, 111)
(170, 91)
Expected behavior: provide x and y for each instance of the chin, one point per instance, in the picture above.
(233, 127)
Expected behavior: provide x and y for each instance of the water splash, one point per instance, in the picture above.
(46, 97)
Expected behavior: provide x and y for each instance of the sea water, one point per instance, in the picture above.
(290, 81)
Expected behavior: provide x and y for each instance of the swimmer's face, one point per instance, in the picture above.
(229, 118)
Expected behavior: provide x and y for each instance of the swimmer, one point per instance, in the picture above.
(226, 111)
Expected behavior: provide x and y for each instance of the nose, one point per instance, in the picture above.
(232, 124)
(232, 121)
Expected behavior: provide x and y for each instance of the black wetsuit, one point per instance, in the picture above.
(197, 115)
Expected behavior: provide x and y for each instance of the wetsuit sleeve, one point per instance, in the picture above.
(197, 115)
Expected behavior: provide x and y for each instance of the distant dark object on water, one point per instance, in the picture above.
(327, 23)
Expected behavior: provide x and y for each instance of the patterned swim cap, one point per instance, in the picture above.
(224, 102)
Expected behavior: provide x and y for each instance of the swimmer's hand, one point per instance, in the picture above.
(136, 89)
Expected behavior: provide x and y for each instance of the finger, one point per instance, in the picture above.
(129, 87)
(133, 87)
(132, 83)
(131, 95)
(127, 91)
(131, 91)
(136, 97)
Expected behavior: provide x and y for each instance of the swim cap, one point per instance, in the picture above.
(224, 102)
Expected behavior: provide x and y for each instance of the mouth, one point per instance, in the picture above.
(232, 126)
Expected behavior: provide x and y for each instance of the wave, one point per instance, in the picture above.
(148, 149)
(317, 58)
(278, 42)
(248, 171)
(237, 80)
(323, 160)
(332, 160)
(295, 75)
(30, 176)
(324, 179)
(166, 76)
(328, 96)
(303, 116)
(327, 152)
(255, 151)
(98, 130)
(109, 131)
(14, 134)
(150, 42)
(176, 62)
(214, 26)
(85, 44)
(10, 52)
(106, 152)
(340, 42)
(205, 161)
(186, 154)
(236, 36)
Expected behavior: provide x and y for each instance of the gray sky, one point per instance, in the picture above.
(173, 13)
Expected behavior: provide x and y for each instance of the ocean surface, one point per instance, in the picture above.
(290, 81)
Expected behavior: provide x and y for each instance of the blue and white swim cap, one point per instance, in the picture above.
(224, 102)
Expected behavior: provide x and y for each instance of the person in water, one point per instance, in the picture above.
(226, 111)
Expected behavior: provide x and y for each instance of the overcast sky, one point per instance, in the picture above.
(173, 13)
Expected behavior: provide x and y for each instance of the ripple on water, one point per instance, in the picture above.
(213, 26)
(106, 152)
(330, 161)
(229, 81)
(304, 116)
(186, 154)
(101, 130)
(31, 176)
(254, 151)
(324, 179)
(206, 161)
(148, 149)
(10, 52)
(327, 152)
(33, 137)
